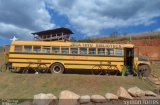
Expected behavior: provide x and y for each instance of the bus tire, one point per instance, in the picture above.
(57, 68)
(144, 70)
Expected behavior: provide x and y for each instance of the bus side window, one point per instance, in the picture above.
(119, 52)
(37, 49)
(92, 51)
(28, 49)
(18, 48)
(46, 49)
(55, 50)
(110, 51)
(101, 51)
(83, 51)
(65, 50)
(74, 50)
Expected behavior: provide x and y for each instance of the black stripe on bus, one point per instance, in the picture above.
(31, 62)
(66, 54)
(68, 64)
(70, 59)
(90, 64)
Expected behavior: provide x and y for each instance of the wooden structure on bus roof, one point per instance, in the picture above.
(60, 34)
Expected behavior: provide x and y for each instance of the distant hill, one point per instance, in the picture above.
(142, 42)
(125, 37)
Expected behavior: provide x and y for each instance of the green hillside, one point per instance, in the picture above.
(22, 86)
(123, 37)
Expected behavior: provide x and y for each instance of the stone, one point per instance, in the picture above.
(158, 97)
(150, 93)
(26, 103)
(100, 104)
(45, 99)
(98, 99)
(67, 97)
(110, 96)
(84, 99)
(136, 92)
(90, 103)
(156, 90)
(123, 94)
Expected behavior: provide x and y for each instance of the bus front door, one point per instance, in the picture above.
(128, 59)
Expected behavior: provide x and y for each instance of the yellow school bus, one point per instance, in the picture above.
(59, 57)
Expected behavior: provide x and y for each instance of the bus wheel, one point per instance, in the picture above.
(144, 70)
(57, 68)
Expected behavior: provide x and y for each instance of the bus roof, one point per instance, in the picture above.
(72, 44)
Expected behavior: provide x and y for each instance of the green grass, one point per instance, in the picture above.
(22, 86)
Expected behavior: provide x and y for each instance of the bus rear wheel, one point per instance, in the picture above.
(57, 68)
(144, 70)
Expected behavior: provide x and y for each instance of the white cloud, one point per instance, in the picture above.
(157, 29)
(22, 17)
(10, 30)
(91, 16)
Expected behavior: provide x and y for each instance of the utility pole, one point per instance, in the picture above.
(130, 38)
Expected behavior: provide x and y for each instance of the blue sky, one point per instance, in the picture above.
(90, 18)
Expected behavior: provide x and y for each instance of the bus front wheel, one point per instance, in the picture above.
(57, 68)
(144, 70)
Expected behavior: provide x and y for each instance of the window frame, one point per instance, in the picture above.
(46, 50)
(39, 50)
(56, 47)
(24, 49)
(81, 50)
(108, 51)
(103, 52)
(74, 48)
(64, 48)
(19, 46)
(94, 51)
(119, 50)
